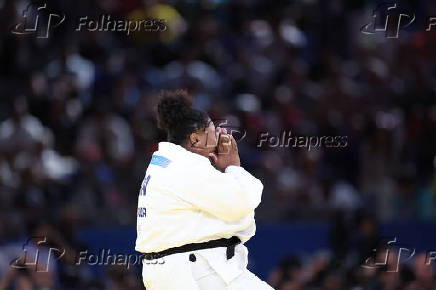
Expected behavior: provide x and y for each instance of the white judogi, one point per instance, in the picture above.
(183, 200)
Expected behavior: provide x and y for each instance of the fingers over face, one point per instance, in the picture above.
(234, 144)
(224, 144)
(220, 130)
(213, 158)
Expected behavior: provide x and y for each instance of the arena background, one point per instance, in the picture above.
(77, 130)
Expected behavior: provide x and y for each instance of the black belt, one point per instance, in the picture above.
(230, 244)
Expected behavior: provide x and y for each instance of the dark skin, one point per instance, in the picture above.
(215, 144)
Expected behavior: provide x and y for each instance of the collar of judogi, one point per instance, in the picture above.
(175, 152)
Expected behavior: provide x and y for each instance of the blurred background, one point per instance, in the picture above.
(77, 129)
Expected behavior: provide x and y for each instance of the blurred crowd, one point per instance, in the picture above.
(321, 272)
(77, 123)
(359, 259)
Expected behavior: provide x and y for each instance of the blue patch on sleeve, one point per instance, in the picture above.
(160, 161)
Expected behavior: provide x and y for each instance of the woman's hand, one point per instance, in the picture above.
(227, 152)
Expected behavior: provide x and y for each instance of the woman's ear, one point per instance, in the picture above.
(194, 139)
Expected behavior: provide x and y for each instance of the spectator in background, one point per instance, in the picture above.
(22, 131)
(159, 10)
(424, 273)
(105, 136)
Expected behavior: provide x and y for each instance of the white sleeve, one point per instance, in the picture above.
(229, 196)
(248, 182)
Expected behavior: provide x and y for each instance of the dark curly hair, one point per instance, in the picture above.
(177, 117)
